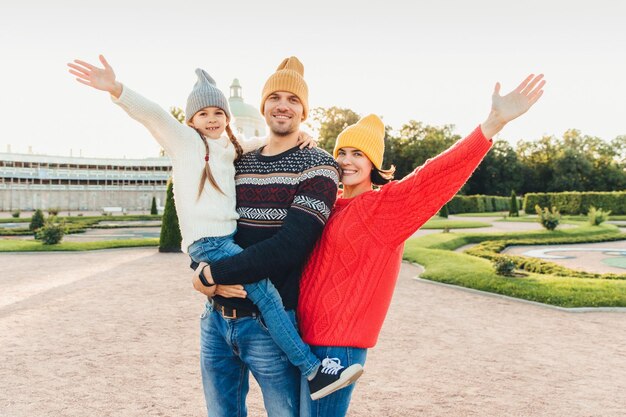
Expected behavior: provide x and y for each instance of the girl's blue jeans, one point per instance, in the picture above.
(265, 296)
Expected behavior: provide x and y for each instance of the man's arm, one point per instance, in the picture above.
(294, 241)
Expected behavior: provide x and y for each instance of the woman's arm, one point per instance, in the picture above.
(402, 207)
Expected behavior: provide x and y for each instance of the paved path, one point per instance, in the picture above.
(115, 333)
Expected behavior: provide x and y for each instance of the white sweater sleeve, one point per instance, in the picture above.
(252, 144)
(169, 132)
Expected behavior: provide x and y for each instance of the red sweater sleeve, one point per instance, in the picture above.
(400, 208)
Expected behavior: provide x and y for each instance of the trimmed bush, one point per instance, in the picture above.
(51, 233)
(504, 266)
(577, 202)
(53, 211)
(16, 213)
(490, 249)
(153, 208)
(170, 238)
(37, 221)
(597, 216)
(548, 218)
(477, 204)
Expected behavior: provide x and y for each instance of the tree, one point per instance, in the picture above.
(417, 143)
(153, 208)
(328, 123)
(498, 173)
(513, 209)
(37, 221)
(444, 211)
(537, 159)
(170, 239)
(572, 171)
(178, 114)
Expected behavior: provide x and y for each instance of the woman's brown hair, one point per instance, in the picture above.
(382, 176)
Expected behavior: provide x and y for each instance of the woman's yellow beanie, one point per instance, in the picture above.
(367, 135)
(288, 77)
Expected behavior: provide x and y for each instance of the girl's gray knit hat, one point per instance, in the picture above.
(205, 94)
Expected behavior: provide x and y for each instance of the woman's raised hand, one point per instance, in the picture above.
(98, 78)
(514, 104)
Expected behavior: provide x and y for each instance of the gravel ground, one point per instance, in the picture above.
(115, 333)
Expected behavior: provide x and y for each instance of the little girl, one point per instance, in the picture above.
(206, 209)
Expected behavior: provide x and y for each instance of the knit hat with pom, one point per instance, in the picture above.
(288, 77)
(367, 135)
(205, 94)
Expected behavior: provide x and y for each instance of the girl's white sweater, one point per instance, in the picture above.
(214, 213)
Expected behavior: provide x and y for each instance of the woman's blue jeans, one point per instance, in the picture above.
(335, 404)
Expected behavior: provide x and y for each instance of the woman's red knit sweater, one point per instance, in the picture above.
(347, 285)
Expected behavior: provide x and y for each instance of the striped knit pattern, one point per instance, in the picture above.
(348, 282)
(268, 188)
(283, 202)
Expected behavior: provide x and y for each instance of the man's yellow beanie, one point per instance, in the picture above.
(367, 135)
(288, 77)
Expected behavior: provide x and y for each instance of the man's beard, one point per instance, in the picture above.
(286, 131)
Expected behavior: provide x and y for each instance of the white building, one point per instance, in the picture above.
(248, 120)
(30, 181)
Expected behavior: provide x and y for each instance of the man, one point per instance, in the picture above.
(284, 198)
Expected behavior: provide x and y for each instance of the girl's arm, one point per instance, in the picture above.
(402, 207)
(253, 143)
(166, 130)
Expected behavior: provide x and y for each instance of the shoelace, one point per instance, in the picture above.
(331, 366)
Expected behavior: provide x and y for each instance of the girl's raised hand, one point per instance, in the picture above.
(306, 141)
(98, 78)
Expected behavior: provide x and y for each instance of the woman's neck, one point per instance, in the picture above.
(351, 191)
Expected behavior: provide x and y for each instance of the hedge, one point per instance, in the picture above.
(491, 249)
(479, 204)
(578, 202)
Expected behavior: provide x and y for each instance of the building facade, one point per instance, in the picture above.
(31, 181)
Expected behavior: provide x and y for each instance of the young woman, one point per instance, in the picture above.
(347, 285)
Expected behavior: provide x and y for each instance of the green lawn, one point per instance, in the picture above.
(72, 219)
(487, 214)
(441, 223)
(471, 272)
(435, 253)
(16, 245)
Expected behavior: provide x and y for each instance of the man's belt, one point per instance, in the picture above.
(232, 313)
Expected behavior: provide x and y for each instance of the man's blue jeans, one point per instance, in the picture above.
(232, 347)
(335, 404)
(281, 325)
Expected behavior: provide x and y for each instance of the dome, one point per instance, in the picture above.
(240, 109)
(237, 106)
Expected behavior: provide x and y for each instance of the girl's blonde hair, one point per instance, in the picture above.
(207, 175)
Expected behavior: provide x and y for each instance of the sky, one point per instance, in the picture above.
(431, 61)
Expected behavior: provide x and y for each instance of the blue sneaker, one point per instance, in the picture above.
(331, 376)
